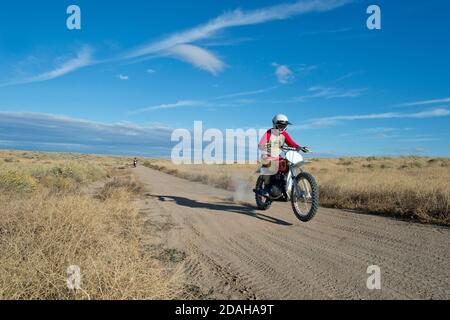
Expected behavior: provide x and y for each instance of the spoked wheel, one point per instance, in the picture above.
(305, 198)
(263, 203)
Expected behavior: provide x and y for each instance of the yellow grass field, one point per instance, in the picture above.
(50, 219)
(409, 187)
(63, 209)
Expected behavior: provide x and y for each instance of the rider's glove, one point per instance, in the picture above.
(304, 149)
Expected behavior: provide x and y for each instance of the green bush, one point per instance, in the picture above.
(17, 181)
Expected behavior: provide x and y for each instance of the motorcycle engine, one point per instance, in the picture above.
(277, 187)
(275, 192)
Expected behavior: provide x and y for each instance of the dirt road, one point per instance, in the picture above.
(232, 251)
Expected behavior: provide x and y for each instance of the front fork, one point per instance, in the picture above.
(291, 182)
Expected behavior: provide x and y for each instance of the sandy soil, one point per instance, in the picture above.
(232, 251)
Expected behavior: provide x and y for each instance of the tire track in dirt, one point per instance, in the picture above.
(233, 251)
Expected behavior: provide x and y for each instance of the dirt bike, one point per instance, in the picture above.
(135, 163)
(286, 185)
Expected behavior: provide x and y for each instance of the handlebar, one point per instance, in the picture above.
(303, 149)
(288, 148)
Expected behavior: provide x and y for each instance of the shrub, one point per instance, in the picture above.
(41, 236)
(345, 163)
(412, 165)
(17, 181)
(127, 183)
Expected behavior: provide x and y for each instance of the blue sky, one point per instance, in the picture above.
(138, 69)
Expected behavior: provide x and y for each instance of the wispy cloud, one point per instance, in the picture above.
(234, 19)
(247, 93)
(178, 104)
(349, 75)
(424, 102)
(329, 121)
(198, 57)
(208, 103)
(326, 32)
(304, 68)
(82, 59)
(181, 44)
(331, 92)
(218, 42)
(231, 19)
(419, 140)
(383, 132)
(379, 133)
(283, 73)
(123, 77)
(321, 92)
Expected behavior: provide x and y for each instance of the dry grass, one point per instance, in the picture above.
(48, 224)
(408, 187)
(125, 182)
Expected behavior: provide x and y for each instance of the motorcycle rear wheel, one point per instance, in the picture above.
(262, 203)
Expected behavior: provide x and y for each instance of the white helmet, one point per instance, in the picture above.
(280, 122)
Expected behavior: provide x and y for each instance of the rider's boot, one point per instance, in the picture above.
(264, 192)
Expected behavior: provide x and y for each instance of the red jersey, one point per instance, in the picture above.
(272, 141)
(286, 139)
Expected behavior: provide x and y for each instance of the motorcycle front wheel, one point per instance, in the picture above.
(305, 201)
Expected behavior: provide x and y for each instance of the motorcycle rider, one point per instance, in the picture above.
(270, 146)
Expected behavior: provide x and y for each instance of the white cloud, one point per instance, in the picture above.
(324, 32)
(233, 19)
(198, 57)
(83, 59)
(307, 68)
(419, 140)
(431, 113)
(237, 18)
(151, 71)
(175, 43)
(349, 75)
(330, 93)
(246, 93)
(425, 102)
(123, 77)
(283, 73)
(178, 104)
(329, 121)
(383, 131)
